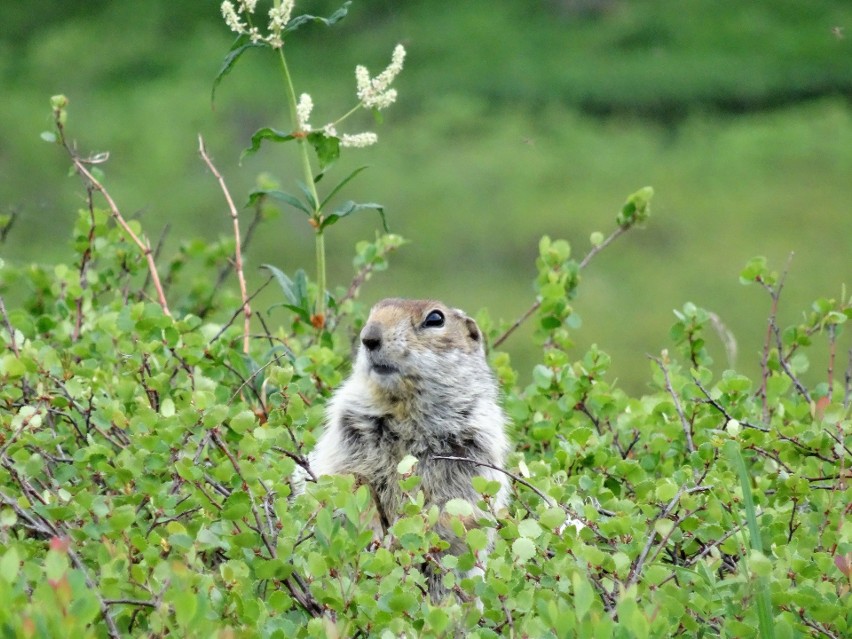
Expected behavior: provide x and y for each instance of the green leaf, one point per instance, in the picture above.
(350, 207)
(48, 136)
(236, 506)
(666, 490)
(266, 133)
(529, 528)
(122, 517)
(242, 421)
(477, 539)
(637, 208)
(523, 549)
(239, 47)
(295, 292)
(459, 507)
(12, 366)
(327, 148)
(342, 183)
(9, 565)
(304, 19)
(406, 464)
(275, 194)
(185, 603)
(583, 595)
(552, 517)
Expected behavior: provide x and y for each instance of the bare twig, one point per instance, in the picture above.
(722, 409)
(832, 351)
(238, 256)
(9, 328)
(131, 602)
(11, 440)
(621, 230)
(84, 264)
(636, 569)
(512, 476)
(238, 311)
(142, 243)
(775, 295)
(523, 318)
(687, 428)
(815, 626)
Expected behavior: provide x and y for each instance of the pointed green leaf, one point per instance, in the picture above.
(286, 284)
(350, 207)
(239, 47)
(254, 196)
(342, 183)
(266, 133)
(301, 20)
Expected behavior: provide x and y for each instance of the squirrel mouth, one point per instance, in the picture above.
(383, 369)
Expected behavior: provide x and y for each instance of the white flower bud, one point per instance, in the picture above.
(359, 140)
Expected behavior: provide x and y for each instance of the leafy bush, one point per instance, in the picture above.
(147, 443)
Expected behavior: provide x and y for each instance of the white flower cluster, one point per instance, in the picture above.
(278, 18)
(372, 93)
(375, 93)
(303, 112)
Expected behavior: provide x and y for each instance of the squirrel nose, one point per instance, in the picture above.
(371, 337)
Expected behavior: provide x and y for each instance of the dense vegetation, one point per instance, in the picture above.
(153, 411)
(486, 152)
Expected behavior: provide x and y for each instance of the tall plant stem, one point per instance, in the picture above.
(316, 215)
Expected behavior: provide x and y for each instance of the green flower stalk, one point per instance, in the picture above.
(373, 93)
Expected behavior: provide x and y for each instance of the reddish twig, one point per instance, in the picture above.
(238, 256)
(142, 243)
(775, 295)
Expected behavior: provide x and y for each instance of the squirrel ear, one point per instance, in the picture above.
(473, 330)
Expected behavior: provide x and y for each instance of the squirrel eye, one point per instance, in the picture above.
(435, 319)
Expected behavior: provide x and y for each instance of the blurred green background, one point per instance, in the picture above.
(515, 118)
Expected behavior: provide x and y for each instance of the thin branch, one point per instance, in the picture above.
(523, 318)
(238, 256)
(131, 602)
(512, 476)
(142, 243)
(270, 547)
(636, 569)
(832, 352)
(815, 626)
(723, 410)
(84, 264)
(775, 295)
(9, 328)
(227, 324)
(621, 230)
(687, 428)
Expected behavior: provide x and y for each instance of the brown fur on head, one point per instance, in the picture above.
(410, 319)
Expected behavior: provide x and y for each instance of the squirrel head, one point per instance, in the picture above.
(406, 341)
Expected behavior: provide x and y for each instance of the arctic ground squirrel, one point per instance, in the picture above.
(420, 386)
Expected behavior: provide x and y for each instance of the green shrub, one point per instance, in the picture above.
(147, 441)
